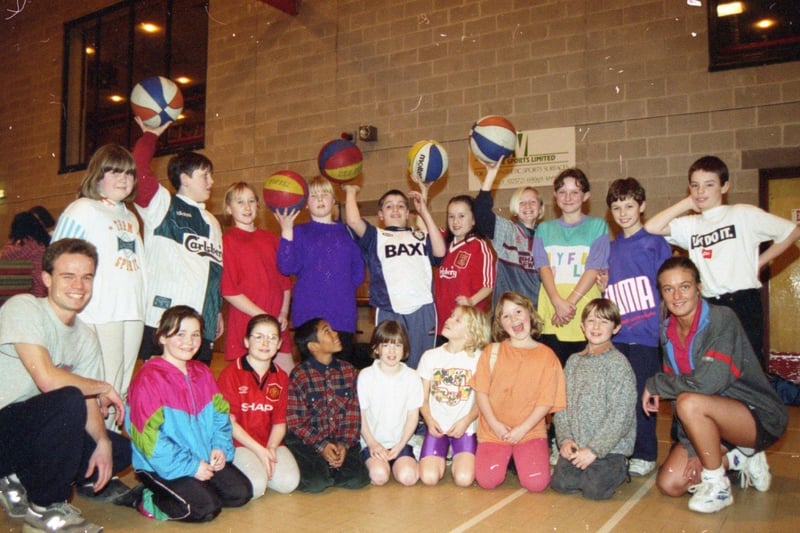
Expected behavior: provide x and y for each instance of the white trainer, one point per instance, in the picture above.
(640, 467)
(755, 473)
(710, 496)
(59, 516)
(13, 497)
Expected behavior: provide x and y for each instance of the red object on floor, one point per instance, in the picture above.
(291, 7)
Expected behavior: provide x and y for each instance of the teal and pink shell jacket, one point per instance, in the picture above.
(176, 419)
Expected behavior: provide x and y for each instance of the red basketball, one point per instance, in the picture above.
(285, 189)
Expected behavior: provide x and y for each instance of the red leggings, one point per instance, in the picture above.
(532, 459)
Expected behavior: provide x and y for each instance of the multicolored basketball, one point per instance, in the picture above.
(340, 160)
(491, 138)
(156, 100)
(427, 161)
(285, 189)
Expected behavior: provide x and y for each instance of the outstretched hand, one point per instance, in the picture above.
(157, 131)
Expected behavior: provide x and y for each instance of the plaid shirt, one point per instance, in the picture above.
(323, 404)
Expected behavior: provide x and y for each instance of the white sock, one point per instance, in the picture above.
(713, 475)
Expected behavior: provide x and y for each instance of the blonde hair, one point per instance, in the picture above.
(537, 323)
(320, 185)
(237, 189)
(478, 327)
(513, 203)
(107, 158)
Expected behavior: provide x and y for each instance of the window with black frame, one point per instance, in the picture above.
(108, 52)
(752, 32)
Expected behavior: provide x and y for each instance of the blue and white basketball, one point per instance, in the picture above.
(427, 161)
(491, 138)
(156, 101)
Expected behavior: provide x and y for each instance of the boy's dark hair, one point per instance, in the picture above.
(389, 331)
(304, 334)
(464, 199)
(713, 164)
(44, 216)
(67, 246)
(623, 189)
(186, 163)
(26, 226)
(393, 192)
(603, 308)
(171, 320)
(577, 174)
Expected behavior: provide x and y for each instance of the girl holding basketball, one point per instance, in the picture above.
(326, 263)
(512, 240)
(99, 215)
(467, 273)
(251, 282)
(449, 408)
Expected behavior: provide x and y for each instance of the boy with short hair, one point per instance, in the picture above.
(569, 251)
(630, 282)
(596, 432)
(323, 417)
(399, 260)
(183, 241)
(723, 241)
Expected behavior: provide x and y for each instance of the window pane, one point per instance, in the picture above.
(107, 116)
(109, 51)
(188, 68)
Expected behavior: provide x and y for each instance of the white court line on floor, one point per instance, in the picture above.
(612, 522)
(605, 528)
(488, 512)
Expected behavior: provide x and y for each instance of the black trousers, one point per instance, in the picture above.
(597, 482)
(315, 473)
(44, 441)
(192, 500)
(747, 306)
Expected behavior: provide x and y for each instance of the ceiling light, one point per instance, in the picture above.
(729, 8)
(183, 80)
(116, 98)
(149, 27)
(89, 50)
(763, 24)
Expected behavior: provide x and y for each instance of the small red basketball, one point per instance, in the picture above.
(285, 189)
(340, 160)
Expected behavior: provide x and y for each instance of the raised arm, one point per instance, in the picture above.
(659, 224)
(143, 152)
(438, 247)
(352, 215)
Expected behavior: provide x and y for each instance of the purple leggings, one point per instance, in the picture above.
(438, 446)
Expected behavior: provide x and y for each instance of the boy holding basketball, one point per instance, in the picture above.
(399, 259)
(183, 241)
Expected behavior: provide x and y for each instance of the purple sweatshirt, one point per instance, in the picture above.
(632, 267)
(328, 268)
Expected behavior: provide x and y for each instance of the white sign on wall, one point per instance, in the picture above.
(539, 156)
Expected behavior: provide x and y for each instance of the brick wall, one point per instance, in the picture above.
(630, 75)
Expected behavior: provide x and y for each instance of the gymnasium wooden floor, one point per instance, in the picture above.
(636, 507)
